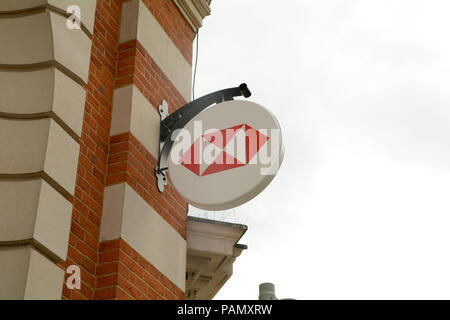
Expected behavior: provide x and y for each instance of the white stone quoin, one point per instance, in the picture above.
(43, 67)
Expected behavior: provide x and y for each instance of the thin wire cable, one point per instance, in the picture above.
(195, 68)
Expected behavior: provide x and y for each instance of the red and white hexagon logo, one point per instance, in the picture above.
(223, 150)
(219, 161)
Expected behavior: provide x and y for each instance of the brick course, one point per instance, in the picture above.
(94, 148)
(130, 162)
(174, 24)
(136, 66)
(124, 274)
(112, 269)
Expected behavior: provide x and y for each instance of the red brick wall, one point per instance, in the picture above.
(174, 24)
(113, 270)
(130, 162)
(135, 65)
(124, 274)
(94, 148)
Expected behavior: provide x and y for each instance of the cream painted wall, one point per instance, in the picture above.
(30, 146)
(43, 37)
(42, 64)
(133, 112)
(139, 23)
(32, 209)
(27, 274)
(87, 7)
(126, 215)
(29, 93)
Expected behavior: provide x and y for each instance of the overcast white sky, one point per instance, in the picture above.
(360, 207)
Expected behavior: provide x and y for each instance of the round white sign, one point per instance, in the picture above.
(226, 155)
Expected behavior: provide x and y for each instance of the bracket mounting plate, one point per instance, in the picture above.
(161, 178)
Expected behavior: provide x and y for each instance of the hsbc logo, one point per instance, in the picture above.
(218, 150)
(225, 155)
(224, 149)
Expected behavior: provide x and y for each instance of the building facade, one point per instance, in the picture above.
(79, 139)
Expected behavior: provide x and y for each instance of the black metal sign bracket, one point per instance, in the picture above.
(178, 119)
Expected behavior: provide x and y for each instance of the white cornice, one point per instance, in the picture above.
(194, 11)
(211, 251)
